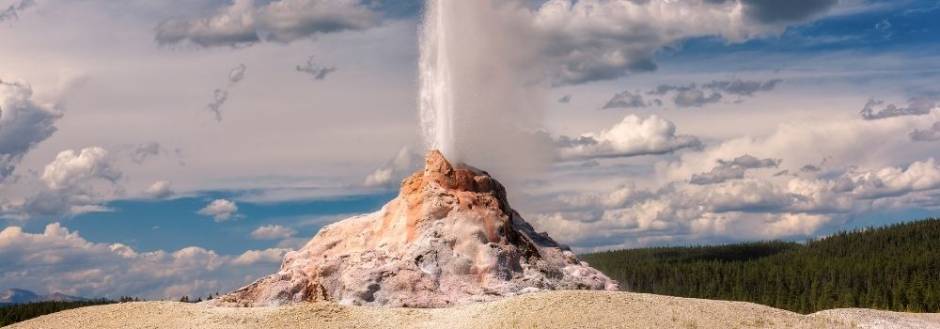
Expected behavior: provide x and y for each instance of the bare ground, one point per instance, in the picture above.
(569, 309)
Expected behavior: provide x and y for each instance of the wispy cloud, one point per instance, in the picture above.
(315, 70)
(13, 11)
(692, 95)
(220, 96)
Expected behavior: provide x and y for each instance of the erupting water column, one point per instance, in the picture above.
(436, 99)
(481, 88)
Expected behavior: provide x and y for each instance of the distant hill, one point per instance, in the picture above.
(894, 268)
(22, 296)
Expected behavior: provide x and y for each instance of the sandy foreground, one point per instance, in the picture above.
(570, 309)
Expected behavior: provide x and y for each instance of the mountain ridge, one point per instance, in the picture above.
(14, 296)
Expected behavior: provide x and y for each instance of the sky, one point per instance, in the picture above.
(161, 149)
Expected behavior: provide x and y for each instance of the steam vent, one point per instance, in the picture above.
(450, 237)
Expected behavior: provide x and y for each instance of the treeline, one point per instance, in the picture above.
(10, 314)
(892, 268)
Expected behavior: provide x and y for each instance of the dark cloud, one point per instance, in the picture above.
(696, 98)
(13, 11)
(665, 89)
(237, 74)
(244, 22)
(628, 99)
(143, 152)
(590, 164)
(693, 95)
(876, 109)
(565, 141)
(931, 134)
(23, 124)
(565, 99)
(46, 204)
(743, 87)
(687, 96)
(315, 70)
(776, 11)
(140, 153)
(734, 169)
(173, 32)
(220, 96)
(810, 168)
(591, 40)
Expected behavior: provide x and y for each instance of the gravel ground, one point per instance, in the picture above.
(865, 318)
(568, 309)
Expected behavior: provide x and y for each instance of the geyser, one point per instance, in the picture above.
(436, 95)
(450, 237)
(480, 97)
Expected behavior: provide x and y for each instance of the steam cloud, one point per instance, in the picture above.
(486, 65)
(479, 98)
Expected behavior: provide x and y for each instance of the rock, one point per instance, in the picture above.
(450, 237)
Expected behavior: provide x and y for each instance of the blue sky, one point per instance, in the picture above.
(213, 149)
(175, 224)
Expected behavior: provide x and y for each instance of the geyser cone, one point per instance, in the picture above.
(450, 237)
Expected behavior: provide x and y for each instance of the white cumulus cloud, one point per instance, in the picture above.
(61, 260)
(272, 232)
(394, 171)
(267, 256)
(221, 210)
(159, 190)
(71, 167)
(752, 187)
(632, 136)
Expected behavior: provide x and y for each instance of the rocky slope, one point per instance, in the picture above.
(559, 309)
(450, 237)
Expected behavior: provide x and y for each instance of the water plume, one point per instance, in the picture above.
(481, 96)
